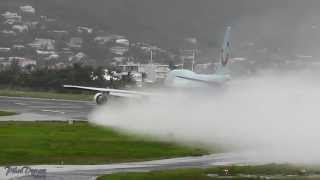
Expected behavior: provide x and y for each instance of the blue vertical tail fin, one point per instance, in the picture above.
(225, 52)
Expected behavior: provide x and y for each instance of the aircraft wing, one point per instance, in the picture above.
(199, 80)
(113, 92)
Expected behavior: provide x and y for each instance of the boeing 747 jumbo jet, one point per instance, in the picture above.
(175, 79)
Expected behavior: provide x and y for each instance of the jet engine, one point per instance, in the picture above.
(101, 98)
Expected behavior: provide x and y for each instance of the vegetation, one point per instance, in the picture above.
(45, 79)
(80, 143)
(6, 113)
(50, 79)
(46, 95)
(271, 171)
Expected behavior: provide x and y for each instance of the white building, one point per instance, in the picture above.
(104, 38)
(20, 28)
(27, 9)
(82, 29)
(121, 46)
(11, 18)
(11, 15)
(22, 62)
(75, 42)
(43, 44)
(4, 49)
(119, 50)
(122, 41)
(8, 33)
(153, 72)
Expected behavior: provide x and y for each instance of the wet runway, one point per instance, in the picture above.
(89, 172)
(31, 109)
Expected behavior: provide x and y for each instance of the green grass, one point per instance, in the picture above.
(235, 172)
(7, 113)
(47, 95)
(24, 143)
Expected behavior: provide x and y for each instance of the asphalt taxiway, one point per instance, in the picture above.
(36, 109)
(90, 172)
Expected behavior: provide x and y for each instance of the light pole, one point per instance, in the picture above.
(151, 56)
(193, 59)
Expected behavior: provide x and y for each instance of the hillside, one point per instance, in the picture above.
(167, 22)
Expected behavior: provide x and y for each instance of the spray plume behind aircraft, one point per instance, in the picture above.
(276, 117)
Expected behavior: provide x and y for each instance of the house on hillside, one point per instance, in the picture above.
(10, 15)
(27, 10)
(58, 65)
(4, 63)
(120, 46)
(46, 57)
(20, 28)
(43, 44)
(10, 22)
(23, 62)
(28, 13)
(8, 33)
(18, 48)
(81, 58)
(119, 50)
(66, 53)
(122, 41)
(58, 34)
(11, 18)
(82, 29)
(32, 25)
(75, 43)
(4, 51)
(104, 38)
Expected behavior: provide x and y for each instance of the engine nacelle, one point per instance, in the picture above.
(100, 98)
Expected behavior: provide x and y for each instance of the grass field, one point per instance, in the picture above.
(80, 143)
(47, 95)
(7, 113)
(271, 171)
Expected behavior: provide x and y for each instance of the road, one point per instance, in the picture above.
(31, 109)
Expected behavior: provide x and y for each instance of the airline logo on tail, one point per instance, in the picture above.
(226, 48)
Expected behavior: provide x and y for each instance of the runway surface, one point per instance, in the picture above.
(31, 109)
(89, 172)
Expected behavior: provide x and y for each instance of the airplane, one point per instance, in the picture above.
(181, 78)
(184, 78)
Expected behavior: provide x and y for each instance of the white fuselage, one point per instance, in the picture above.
(189, 79)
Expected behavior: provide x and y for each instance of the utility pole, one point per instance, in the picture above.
(182, 62)
(151, 56)
(193, 59)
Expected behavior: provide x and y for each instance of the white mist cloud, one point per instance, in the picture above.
(275, 115)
